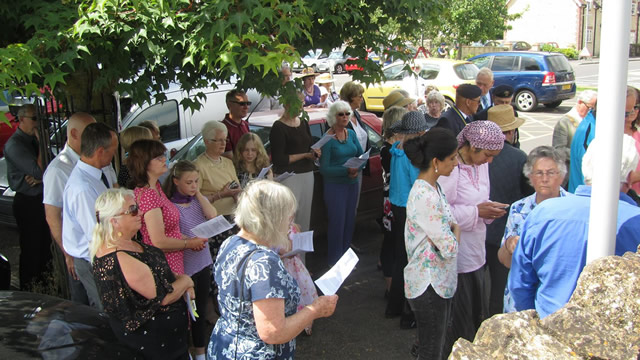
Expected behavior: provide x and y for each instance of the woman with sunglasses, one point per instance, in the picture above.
(138, 290)
(160, 217)
(340, 183)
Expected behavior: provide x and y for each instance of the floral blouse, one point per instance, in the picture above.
(517, 215)
(265, 277)
(431, 246)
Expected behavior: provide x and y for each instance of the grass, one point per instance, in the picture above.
(583, 88)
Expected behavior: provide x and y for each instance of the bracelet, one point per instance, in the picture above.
(185, 244)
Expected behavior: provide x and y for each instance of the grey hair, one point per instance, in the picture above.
(265, 209)
(95, 136)
(435, 96)
(108, 205)
(587, 95)
(336, 107)
(210, 127)
(544, 152)
(26, 108)
(485, 71)
(390, 117)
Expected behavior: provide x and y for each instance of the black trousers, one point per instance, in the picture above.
(498, 274)
(201, 283)
(397, 304)
(433, 313)
(35, 239)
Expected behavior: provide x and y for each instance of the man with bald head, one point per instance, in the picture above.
(484, 80)
(55, 178)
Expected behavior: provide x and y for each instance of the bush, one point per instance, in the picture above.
(570, 53)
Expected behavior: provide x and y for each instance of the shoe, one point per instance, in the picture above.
(357, 250)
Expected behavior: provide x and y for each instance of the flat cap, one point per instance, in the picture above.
(468, 91)
(502, 91)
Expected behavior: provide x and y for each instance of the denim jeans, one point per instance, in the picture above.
(432, 315)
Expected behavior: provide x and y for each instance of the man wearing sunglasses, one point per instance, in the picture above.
(24, 172)
(91, 176)
(238, 104)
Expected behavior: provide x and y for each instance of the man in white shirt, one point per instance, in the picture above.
(91, 176)
(55, 178)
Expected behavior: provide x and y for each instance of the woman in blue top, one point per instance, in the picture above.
(258, 298)
(340, 183)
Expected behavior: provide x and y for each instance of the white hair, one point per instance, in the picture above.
(336, 107)
(485, 72)
(209, 128)
(108, 205)
(435, 95)
(587, 95)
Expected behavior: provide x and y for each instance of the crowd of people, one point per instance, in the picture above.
(460, 200)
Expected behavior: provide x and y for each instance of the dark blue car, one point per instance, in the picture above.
(537, 77)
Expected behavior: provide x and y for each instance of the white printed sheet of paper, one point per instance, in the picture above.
(264, 172)
(284, 176)
(323, 140)
(330, 282)
(191, 306)
(212, 227)
(301, 243)
(356, 162)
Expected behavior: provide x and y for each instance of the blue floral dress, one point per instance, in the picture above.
(517, 215)
(265, 277)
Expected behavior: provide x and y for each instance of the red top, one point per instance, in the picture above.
(149, 199)
(234, 131)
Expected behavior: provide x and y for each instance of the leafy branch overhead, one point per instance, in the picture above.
(137, 46)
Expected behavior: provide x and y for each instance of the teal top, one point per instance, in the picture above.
(336, 153)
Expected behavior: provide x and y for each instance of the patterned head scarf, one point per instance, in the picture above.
(482, 135)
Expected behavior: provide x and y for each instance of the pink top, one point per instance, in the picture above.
(465, 188)
(149, 199)
(636, 137)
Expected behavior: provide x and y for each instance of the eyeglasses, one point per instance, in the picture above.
(162, 157)
(133, 211)
(551, 173)
(629, 113)
(241, 103)
(217, 140)
(343, 114)
(34, 118)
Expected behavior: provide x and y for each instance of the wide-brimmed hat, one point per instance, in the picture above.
(411, 123)
(396, 99)
(324, 79)
(505, 118)
(306, 72)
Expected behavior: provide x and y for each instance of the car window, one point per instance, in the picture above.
(466, 71)
(429, 72)
(529, 64)
(263, 134)
(195, 150)
(316, 132)
(558, 63)
(396, 72)
(375, 140)
(482, 62)
(335, 55)
(504, 63)
(165, 114)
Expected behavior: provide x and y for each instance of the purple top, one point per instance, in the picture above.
(190, 217)
(312, 99)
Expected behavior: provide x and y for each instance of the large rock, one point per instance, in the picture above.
(601, 321)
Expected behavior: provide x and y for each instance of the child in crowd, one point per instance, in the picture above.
(181, 188)
(250, 158)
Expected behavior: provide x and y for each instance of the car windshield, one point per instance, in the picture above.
(466, 71)
(396, 72)
(558, 63)
(335, 55)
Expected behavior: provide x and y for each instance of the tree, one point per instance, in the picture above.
(84, 48)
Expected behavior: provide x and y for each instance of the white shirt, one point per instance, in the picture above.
(361, 134)
(78, 211)
(57, 175)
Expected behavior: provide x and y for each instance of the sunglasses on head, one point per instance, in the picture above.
(242, 103)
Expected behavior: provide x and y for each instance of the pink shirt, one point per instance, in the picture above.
(636, 137)
(465, 188)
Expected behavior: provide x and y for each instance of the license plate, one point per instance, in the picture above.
(566, 87)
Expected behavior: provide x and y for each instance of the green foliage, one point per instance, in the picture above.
(571, 52)
(139, 47)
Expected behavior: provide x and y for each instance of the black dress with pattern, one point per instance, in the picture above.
(153, 330)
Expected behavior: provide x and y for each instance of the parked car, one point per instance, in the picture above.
(310, 60)
(334, 62)
(538, 78)
(36, 326)
(371, 195)
(351, 66)
(446, 74)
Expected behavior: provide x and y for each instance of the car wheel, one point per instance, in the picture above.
(448, 103)
(526, 101)
(339, 69)
(554, 104)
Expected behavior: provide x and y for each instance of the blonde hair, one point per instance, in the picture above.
(108, 205)
(391, 116)
(262, 159)
(351, 90)
(265, 209)
(130, 135)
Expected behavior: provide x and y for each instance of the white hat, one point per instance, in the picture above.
(628, 164)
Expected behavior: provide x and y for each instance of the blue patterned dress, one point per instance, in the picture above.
(265, 277)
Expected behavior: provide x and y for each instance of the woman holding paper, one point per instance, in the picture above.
(139, 292)
(340, 182)
(291, 141)
(181, 187)
(258, 297)
(250, 158)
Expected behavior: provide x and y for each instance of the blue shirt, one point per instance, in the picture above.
(403, 175)
(552, 249)
(336, 153)
(585, 132)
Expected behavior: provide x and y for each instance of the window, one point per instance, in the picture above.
(395, 72)
(429, 72)
(375, 140)
(529, 64)
(467, 71)
(482, 62)
(504, 63)
(165, 114)
(316, 131)
(589, 35)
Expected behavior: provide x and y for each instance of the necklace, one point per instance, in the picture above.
(346, 134)
(215, 161)
(461, 157)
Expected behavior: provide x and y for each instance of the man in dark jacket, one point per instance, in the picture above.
(500, 95)
(508, 184)
(459, 115)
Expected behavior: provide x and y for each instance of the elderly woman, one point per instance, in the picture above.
(310, 89)
(160, 217)
(431, 238)
(340, 183)
(545, 169)
(258, 297)
(433, 108)
(139, 292)
(291, 141)
(127, 137)
(467, 190)
(219, 182)
(390, 116)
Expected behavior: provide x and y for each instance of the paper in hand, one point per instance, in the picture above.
(191, 306)
(323, 140)
(330, 282)
(211, 228)
(284, 176)
(264, 172)
(301, 243)
(356, 162)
